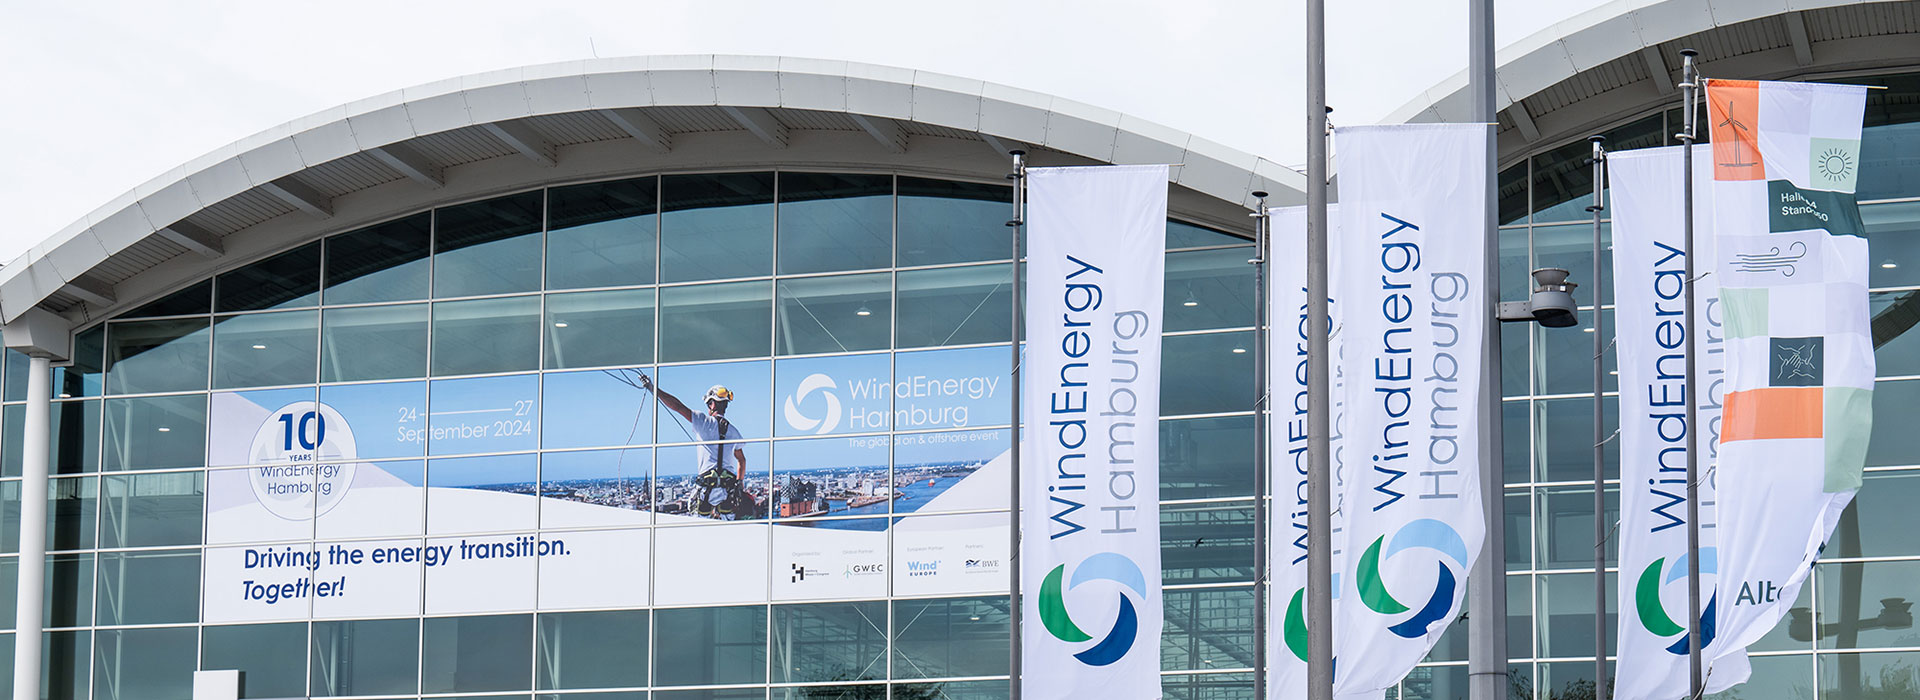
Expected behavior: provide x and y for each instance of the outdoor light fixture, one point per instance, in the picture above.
(1551, 304)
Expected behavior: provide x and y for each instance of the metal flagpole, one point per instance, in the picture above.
(1018, 225)
(1319, 404)
(1261, 511)
(1487, 582)
(1599, 439)
(1690, 90)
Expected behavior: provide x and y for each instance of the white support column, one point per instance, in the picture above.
(33, 533)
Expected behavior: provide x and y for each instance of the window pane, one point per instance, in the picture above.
(271, 658)
(1893, 243)
(151, 510)
(715, 321)
(144, 663)
(75, 447)
(830, 642)
(486, 335)
(599, 329)
(1565, 529)
(154, 356)
(1884, 509)
(489, 247)
(602, 234)
(950, 637)
(606, 478)
(596, 408)
(385, 262)
(1865, 676)
(149, 588)
(1570, 248)
(69, 591)
(1206, 373)
(1181, 234)
(373, 342)
(1516, 450)
(831, 222)
(469, 654)
(1212, 289)
(86, 376)
(1777, 678)
(70, 512)
(1563, 357)
(1887, 144)
(953, 222)
(484, 414)
(1566, 611)
(1862, 603)
(1565, 439)
(197, 299)
(366, 657)
(835, 314)
(1889, 446)
(1208, 629)
(1213, 457)
(952, 690)
(716, 226)
(283, 281)
(265, 349)
(1513, 194)
(1210, 686)
(448, 512)
(955, 306)
(711, 646)
(593, 650)
(162, 432)
(16, 363)
(1206, 543)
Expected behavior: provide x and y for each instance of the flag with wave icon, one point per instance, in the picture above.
(1792, 266)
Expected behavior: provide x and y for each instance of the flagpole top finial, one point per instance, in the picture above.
(1689, 53)
(1259, 194)
(1596, 138)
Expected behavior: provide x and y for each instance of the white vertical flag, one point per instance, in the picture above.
(1412, 216)
(1287, 444)
(1792, 263)
(1649, 269)
(1090, 515)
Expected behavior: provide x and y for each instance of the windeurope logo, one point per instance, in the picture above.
(1105, 566)
(1423, 534)
(1653, 613)
(801, 421)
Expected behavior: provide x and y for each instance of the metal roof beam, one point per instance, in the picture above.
(1524, 121)
(761, 122)
(886, 131)
(1797, 36)
(641, 127)
(1657, 67)
(302, 196)
(90, 290)
(522, 138)
(411, 163)
(193, 238)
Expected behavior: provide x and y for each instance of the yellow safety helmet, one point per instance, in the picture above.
(719, 393)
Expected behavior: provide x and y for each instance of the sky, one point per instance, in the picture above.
(106, 95)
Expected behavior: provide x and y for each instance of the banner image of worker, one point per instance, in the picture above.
(1649, 271)
(1287, 445)
(1413, 229)
(1792, 263)
(1090, 522)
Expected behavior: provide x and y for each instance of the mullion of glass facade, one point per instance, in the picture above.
(139, 460)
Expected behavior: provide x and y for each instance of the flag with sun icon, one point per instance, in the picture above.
(1796, 396)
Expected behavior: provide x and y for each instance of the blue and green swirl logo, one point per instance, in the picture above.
(1105, 566)
(1653, 613)
(1425, 534)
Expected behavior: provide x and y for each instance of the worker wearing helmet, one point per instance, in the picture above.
(717, 489)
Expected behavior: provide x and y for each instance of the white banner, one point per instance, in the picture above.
(1649, 269)
(1090, 523)
(1792, 264)
(1413, 216)
(1287, 445)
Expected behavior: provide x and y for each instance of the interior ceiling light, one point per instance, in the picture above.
(863, 311)
(1191, 300)
(1889, 264)
(559, 324)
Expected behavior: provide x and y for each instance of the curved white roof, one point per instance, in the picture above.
(454, 139)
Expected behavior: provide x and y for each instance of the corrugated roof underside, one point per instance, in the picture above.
(1617, 73)
(693, 119)
(239, 211)
(460, 146)
(350, 174)
(149, 252)
(1855, 21)
(576, 127)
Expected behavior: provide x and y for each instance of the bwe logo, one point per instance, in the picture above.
(824, 424)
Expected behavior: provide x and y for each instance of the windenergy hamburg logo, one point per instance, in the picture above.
(800, 421)
(1423, 534)
(1105, 566)
(1653, 613)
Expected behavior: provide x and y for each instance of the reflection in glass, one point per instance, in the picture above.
(69, 591)
(271, 658)
(488, 247)
(152, 510)
(149, 588)
(265, 349)
(1896, 347)
(1894, 447)
(955, 306)
(1213, 289)
(476, 654)
(831, 222)
(1206, 373)
(1564, 358)
(602, 234)
(1879, 521)
(1565, 528)
(715, 321)
(283, 281)
(830, 642)
(162, 432)
(1206, 543)
(373, 342)
(1564, 442)
(1864, 676)
(384, 262)
(75, 446)
(143, 663)
(486, 335)
(599, 329)
(195, 299)
(154, 356)
(711, 646)
(1213, 457)
(950, 637)
(717, 226)
(1566, 610)
(1208, 629)
(1181, 234)
(835, 314)
(605, 649)
(87, 375)
(365, 657)
(944, 222)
